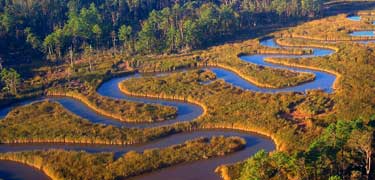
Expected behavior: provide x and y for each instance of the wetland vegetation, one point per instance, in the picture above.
(70, 48)
(50, 122)
(60, 164)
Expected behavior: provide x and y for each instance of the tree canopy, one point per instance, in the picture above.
(50, 28)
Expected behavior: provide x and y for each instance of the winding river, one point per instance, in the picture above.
(186, 112)
(361, 33)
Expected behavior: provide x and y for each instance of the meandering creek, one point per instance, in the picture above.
(361, 33)
(186, 112)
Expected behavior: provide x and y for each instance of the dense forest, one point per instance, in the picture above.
(342, 151)
(62, 29)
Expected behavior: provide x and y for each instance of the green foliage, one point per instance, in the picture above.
(7, 22)
(257, 168)
(263, 166)
(11, 79)
(334, 152)
(32, 39)
(97, 32)
(81, 25)
(335, 178)
(125, 35)
(54, 43)
(186, 27)
(170, 26)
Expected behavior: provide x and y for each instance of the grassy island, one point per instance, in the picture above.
(60, 164)
(50, 122)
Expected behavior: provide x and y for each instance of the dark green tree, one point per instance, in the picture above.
(11, 80)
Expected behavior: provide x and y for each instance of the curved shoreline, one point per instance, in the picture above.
(317, 51)
(34, 166)
(100, 111)
(251, 79)
(338, 75)
(191, 100)
(347, 39)
(254, 142)
(319, 46)
(27, 169)
(248, 131)
(351, 35)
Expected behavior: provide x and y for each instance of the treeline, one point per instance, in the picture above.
(59, 164)
(63, 28)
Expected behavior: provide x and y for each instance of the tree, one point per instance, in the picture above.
(157, 26)
(149, 35)
(114, 39)
(125, 36)
(227, 19)
(11, 79)
(362, 141)
(88, 54)
(323, 153)
(83, 26)
(54, 43)
(190, 34)
(257, 167)
(32, 39)
(7, 22)
(311, 7)
(335, 178)
(73, 28)
(208, 22)
(97, 31)
(89, 23)
(280, 6)
(172, 39)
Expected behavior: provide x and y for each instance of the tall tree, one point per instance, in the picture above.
(54, 43)
(11, 79)
(97, 32)
(362, 142)
(125, 36)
